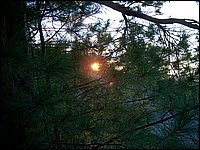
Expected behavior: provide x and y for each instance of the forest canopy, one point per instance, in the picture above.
(69, 80)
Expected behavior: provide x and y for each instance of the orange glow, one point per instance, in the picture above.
(111, 83)
(95, 66)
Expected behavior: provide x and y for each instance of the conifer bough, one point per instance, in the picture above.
(126, 11)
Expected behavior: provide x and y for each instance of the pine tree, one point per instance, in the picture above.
(143, 95)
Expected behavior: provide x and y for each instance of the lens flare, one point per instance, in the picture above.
(95, 66)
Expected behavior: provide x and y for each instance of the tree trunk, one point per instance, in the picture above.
(12, 25)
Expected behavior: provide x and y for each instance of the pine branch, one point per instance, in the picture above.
(142, 99)
(144, 126)
(124, 10)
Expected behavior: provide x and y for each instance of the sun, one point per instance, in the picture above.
(95, 66)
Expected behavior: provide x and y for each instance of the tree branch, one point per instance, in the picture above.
(124, 10)
(144, 126)
(142, 99)
(40, 29)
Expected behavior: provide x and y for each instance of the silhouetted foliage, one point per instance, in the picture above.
(145, 94)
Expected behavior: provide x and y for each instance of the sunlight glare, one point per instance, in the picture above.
(95, 66)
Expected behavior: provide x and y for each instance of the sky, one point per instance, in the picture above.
(181, 9)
